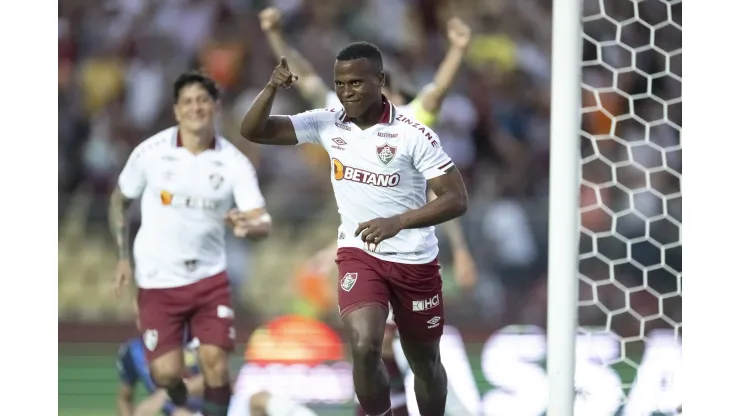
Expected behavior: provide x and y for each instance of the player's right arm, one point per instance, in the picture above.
(131, 184)
(312, 88)
(128, 378)
(258, 126)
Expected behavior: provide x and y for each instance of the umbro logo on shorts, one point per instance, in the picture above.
(434, 322)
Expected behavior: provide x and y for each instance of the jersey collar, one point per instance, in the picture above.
(387, 117)
(178, 141)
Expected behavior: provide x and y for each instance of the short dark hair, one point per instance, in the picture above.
(196, 77)
(359, 50)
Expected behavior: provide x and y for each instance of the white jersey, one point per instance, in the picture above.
(184, 200)
(378, 172)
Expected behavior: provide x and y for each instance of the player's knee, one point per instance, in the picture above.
(166, 373)
(258, 403)
(366, 348)
(424, 359)
(214, 364)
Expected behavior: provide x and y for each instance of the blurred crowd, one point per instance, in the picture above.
(118, 58)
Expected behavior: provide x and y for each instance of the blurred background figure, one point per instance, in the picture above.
(118, 58)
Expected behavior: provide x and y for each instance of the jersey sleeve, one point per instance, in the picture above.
(307, 126)
(126, 366)
(133, 178)
(247, 193)
(428, 156)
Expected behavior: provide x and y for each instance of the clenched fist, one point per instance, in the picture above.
(270, 19)
(458, 33)
(281, 76)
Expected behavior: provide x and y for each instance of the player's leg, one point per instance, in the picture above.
(213, 324)
(266, 404)
(363, 305)
(160, 320)
(419, 314)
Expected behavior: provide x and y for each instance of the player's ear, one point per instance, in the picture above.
(176, 113)
(381, 79)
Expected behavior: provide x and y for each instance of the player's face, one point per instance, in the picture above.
(358, 84)
(195, 110)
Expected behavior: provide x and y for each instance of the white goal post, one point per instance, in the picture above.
(614, 267)
(565, 125)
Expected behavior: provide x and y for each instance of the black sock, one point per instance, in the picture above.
(178, 393)
(216, 400)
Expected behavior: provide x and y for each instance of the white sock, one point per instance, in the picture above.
(283, 406)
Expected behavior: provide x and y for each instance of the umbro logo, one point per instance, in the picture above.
(338, 143)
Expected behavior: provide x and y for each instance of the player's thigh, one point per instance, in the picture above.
(162, 314)
(361, 281)
(212, 320)
(416, 298)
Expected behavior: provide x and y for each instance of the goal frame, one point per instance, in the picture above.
(564, 203)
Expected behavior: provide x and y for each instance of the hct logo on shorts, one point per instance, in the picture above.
(348, 281)
(422, 305)
(151, 337)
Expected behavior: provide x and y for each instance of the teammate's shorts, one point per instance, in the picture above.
(413, 290)
(204, 307)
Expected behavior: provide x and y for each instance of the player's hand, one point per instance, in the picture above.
(458, 33)
(123, 276)
(281, 76)
(245, 224)
(466, 274)
(270, 19)
(379, 229)
(238, 221)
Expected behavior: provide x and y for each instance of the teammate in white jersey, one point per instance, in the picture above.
(188, 180)
(381, 164)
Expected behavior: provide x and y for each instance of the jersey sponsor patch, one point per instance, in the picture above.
(349, 173)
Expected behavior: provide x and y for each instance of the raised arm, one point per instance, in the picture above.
(258, 126)
(433, 94)
(311, 87)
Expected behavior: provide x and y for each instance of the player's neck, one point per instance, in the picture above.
(371, 117)
(196, 142)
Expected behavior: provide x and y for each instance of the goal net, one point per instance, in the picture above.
(628, 351)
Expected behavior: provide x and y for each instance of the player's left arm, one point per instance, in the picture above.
(443, 179)
(451, 202)
(430, 99)
(250, 218)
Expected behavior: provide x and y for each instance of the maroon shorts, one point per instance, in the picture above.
(204, 307)
(413, 290)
